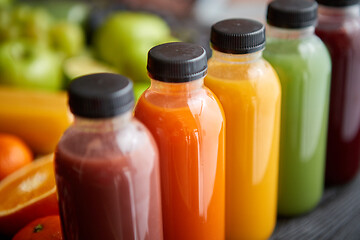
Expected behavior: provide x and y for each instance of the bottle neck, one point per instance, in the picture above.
(237, 58)
(284, 33)
(103, 124)
(174, 88)
(348, 11)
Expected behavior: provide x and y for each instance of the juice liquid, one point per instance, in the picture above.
(188, 126)
(249, 92)
(304, 69)
(339, 29)
(108, 185)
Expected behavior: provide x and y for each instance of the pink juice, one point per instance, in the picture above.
(107, 175)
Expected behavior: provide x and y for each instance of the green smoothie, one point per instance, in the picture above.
(304, 67)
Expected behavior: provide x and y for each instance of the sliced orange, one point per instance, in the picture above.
(28, 194)
(14, 154)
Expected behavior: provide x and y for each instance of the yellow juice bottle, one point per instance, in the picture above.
(249, 90)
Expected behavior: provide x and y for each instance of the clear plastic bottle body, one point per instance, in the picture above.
(108, 180)
(249, 91)
(188, 125)
(304, 67)
(339, 29)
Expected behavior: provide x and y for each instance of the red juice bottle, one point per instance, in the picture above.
(107, 166)
(339, 29)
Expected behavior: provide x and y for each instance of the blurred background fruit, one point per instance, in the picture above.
(139, 88)
(30, 194)
(37, 117)
(4, 2)
(43, 46)
(24, 22)
(46, 228)
(37, 38)
(125, 38)
(67, 38)
(85, 64)
(14, 154)
(23, 64)
(63, 10)
(34, 45)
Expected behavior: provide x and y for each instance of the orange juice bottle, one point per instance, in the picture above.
(249, 91)
(187, 122)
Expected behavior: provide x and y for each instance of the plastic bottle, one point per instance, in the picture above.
(249, 90)
(304, 67)
(339, 28)
(106, 165)
(187, 122)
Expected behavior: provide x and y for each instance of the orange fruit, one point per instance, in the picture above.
(14, 154)
(28, 194)
(46, 228)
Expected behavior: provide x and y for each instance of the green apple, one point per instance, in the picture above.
(5, 3)
(8, 30)
(37, 25)
(126, 37)
(24, 65)
(139, 88)
(137, 60)
(24, 22)
(33, 23)
(67, 38)
(66, 10)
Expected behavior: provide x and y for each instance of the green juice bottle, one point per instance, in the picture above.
(304, 68)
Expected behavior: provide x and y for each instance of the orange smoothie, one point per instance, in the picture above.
(187, 124)
(250, 95)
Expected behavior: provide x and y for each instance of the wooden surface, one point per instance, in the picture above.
(337, 217)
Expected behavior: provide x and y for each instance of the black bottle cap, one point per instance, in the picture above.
(177, 62)
(238, 36)
(338, 3)
(292, 13)
(100, 95)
